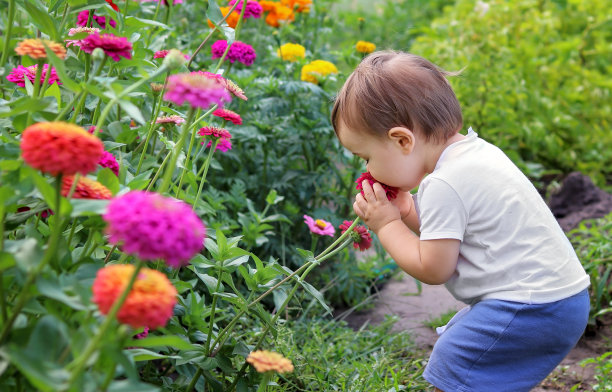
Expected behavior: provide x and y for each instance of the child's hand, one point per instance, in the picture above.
(375, 209)
(404, 202)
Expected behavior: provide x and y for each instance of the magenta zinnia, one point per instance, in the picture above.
(109, 160)
(319, 226)
(390, 191)
(19, 74)
(228, 115)
(360, 235)
(238, 51)
(198, 90)
(160, 54)
(152, 226)
(100, 20)
(114, 47)
(253, 8)
(213, 134)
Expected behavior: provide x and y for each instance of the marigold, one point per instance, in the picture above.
(150, 302)
(35, 48)
(360, 235)
(365, 47)
(390, 191)
(60, 148)
(298, 5)
(291, 52)
(86, 188)
(268, 6)
(314, 71)
(267, 361)
(228, 115)
(19, 74)
(197, 89)
(319, 226)
(280, 14)
(152, 226)
(232, 20)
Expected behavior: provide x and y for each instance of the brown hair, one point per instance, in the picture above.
(390, 89)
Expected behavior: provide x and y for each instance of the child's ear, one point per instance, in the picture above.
(403, 138)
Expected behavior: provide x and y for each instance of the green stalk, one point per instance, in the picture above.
(69, 106)
(178, 147)
(7, 33)
(213, 147)
(3, 313)
(79, 364)
(123, 93)
(159, 170)
(56, 232)
(44, 86)
(212, 313)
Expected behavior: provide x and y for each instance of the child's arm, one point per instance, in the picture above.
(430, 261)
(408, 213)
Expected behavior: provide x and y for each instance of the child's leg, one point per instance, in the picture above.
(499, 340)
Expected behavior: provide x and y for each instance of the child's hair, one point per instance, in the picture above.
(390, 89)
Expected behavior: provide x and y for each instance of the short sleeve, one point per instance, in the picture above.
(441, 211)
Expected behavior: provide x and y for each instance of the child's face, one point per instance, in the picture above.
(391, 160)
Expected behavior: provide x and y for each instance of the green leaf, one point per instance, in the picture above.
(107, 178)
(140, 354)
(317, 294)
(54, 91)
(44, 348)
(132, 111)
(60, 68)
(43, 375)
(7, 261)
(130, 385)
(86, 207)
(41, 19)
(158, 341)
(52, 289)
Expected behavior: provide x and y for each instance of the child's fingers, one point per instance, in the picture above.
(357, 209)
(367, 191)
(379, 192)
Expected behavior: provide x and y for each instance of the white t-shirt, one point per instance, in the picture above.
(512, 247)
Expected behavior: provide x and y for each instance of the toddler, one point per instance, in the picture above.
(476, 224)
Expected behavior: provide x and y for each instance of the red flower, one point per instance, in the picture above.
(59, 147)
(85, 189)
(113, 5)
(228, 115)
(391, 191)
(361, 237)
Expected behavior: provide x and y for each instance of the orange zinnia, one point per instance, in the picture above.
(35, 48)
(231, 20)
(281, 13)
(60, 148)
(85, 189)
(302, 5)
(266, 361)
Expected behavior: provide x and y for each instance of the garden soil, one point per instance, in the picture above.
(576, 200)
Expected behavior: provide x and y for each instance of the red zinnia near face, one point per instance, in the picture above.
(390, 191)
(60, 148)
(361, 237)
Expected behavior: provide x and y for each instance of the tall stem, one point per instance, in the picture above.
(176, 151)
(78, 364)
(56, 232)
(7, 32)
(213, 147)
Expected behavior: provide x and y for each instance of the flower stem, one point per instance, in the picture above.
(56, 232)
(213, 147)
(212, 313)
(79, 363)
(159, 170)
(178, 147)
(7, 32)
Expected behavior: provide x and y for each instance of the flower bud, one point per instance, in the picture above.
(98, 54)
(156, 88)
(174, 59)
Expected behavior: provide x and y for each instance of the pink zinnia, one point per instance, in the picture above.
(100, 20)
(228, 115)
(198, 90)
(109, 160)
(319, 226)
(253, 8)
(92, 129)
(19, 74)
(170, 119)
(390, 191)
(213, 133)
(152, 226)
(160, 54)
(115, 47)
(239, 51)
(228, 84)
(77, 30)
(361, 237)
(165, 1)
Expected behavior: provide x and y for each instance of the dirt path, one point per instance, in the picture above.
(398, 297)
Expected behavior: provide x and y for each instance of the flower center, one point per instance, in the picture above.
(320, 224)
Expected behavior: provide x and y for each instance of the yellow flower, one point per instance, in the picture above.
(291, 52)
(315, 70)
(365, 47)
(266, 361)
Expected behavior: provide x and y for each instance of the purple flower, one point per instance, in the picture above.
(114, 47)
(109, 160)
(319, 226)
(239, 51)
(197, 89)
(100, 20)
(253, 8)
(152, 226)
(19, 74)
